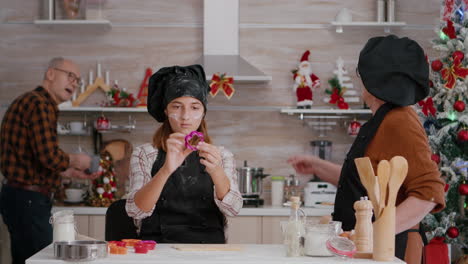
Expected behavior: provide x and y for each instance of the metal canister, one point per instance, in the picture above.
(80, 250)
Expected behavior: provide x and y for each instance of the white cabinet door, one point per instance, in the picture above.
(82, 224)
(244, 230)
(97, 226)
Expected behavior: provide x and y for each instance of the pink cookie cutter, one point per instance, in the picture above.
(190, 136)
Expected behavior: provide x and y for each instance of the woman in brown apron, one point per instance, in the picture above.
(395, 74)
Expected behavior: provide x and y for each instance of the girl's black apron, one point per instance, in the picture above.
(186, 211)
(350, 188)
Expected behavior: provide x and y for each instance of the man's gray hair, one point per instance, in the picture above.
(54, 63)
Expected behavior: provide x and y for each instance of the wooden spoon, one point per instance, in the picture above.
(367, 176)
(383, 175)
(398, 172)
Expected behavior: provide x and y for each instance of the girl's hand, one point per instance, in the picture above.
(211, 158)
(176, 152)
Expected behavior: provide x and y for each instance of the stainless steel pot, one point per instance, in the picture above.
(250, 180)
(80, 250)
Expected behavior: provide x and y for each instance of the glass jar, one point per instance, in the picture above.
(316, 239)
(63, 226)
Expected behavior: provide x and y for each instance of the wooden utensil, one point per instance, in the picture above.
(383, 175)
(398, 172)
(367, 176)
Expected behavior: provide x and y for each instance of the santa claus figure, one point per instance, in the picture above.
(304, 81)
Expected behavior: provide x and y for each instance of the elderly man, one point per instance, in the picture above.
(32, 162)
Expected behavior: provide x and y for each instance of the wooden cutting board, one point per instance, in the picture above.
(208, 247)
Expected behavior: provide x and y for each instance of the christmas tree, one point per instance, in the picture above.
(104, 187)
(445, 119)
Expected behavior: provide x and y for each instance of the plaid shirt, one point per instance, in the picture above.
(29, 147)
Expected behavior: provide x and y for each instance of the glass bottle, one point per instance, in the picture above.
(295, 232)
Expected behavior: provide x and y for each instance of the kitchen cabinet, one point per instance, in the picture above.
(271, 230)
(244, 230)
(241, 229)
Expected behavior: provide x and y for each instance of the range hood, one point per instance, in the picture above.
(221, 43)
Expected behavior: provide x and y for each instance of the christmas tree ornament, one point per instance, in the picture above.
(430, 124)
(222, 82)
(431, 83)
(458, 56)
(304, 81)
(427, 106)
(353, 128)
(462, 135)
(459, 106)
(449, 30)
(435, 158)
(349, 94)
(463, 189)
(446, 187)
(453, 232)
(102, 123)
(437, 65)
(451, 73)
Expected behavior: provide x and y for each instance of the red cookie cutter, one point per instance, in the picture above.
(190, 136)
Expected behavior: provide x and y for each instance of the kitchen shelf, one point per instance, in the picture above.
(339, 26)
(103, 109)
(327, 113)
(144, 110)
(103, 25)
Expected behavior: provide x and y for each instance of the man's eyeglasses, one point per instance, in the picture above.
(71, 77)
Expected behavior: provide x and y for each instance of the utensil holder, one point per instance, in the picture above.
(384, 235)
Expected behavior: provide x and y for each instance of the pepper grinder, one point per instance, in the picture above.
(363, 228)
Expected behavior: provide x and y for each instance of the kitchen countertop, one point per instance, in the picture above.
(247, 211)
(164, 253)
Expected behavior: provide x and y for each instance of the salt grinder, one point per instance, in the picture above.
(363, 229)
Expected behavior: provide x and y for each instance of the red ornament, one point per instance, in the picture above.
(436, 65)
(459, 106)
(458, 56)
(342, 105)
(431, 84)
(463, 135)
(447, 186)
(102, 123)
(463, 189)
(353, 128)
(453, 232)
(435, 158)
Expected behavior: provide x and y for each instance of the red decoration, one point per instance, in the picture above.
(437, 65)
(459, 106)
(463, 135)
(446, 187)
(449, 30)
(463, 189)
(143, 93)
(436, 252)
(448, 9)
(336, 93)
(427, 106)
(223, 83)
(353, 128)
(453, 232)
(431, 84)
(458, 56)
(102, 123)
(435, 158)
(450, 74)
